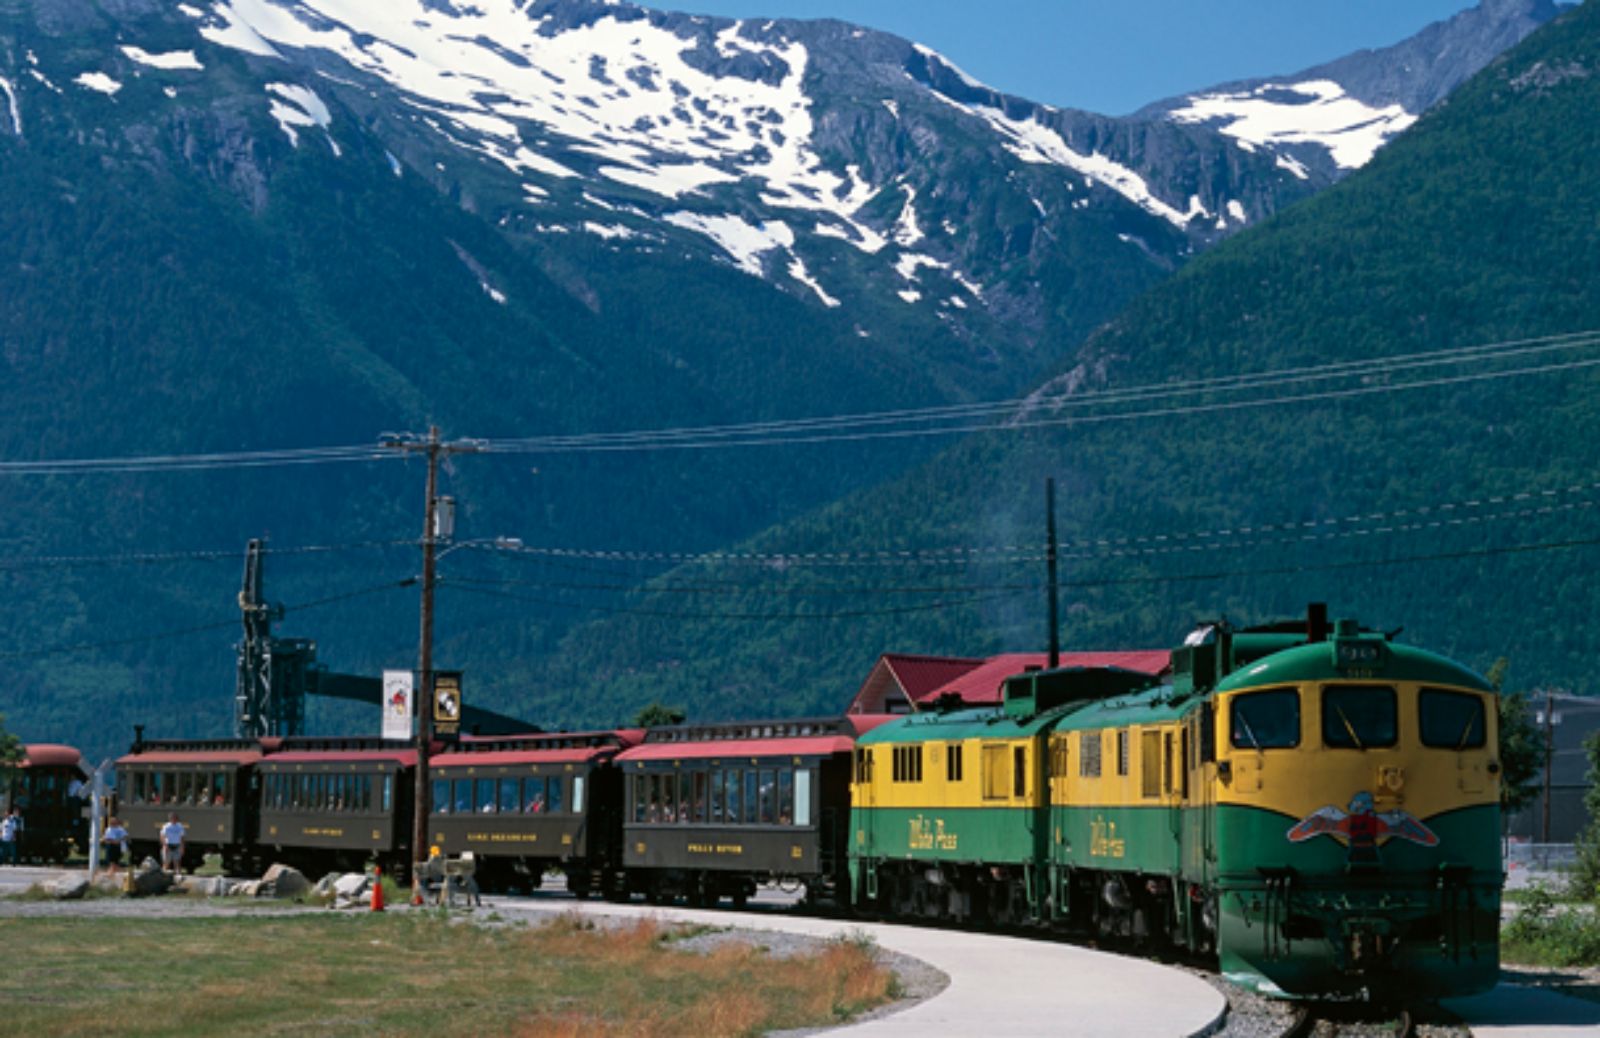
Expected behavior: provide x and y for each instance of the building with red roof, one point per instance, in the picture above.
(900, 684)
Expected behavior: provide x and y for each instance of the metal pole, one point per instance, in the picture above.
(1050, 562)
(1549, 756)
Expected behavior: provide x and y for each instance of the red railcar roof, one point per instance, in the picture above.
(232, 757)
(407, 758)
(803, 746)
(49, 755)
(496, 758)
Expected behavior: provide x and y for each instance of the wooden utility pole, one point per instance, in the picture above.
(1050, 563)
(434, 449)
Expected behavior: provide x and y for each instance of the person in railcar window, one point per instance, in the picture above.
(441, 796)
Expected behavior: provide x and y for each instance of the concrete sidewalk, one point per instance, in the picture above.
(1516, 1011)
(999, 986)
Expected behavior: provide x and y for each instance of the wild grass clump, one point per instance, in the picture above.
(417, 973)
(1547, 933)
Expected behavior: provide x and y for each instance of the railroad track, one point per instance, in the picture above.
(1354, 1020)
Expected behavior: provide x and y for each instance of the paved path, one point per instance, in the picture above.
(1517, 1011)
(999, 986)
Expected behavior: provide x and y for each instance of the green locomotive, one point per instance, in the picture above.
(1316, 809)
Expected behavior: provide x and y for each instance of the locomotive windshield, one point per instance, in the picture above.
(1266, 720)
(1359, 717)
(1453, 720)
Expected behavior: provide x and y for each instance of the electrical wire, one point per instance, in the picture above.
(954, 419)
(182, 632)
(21, 562)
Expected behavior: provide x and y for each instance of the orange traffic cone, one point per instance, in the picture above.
(377, 890)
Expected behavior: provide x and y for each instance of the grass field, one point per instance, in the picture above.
(405, 974)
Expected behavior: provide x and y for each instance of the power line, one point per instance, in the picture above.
(1439, 516)
(955, 419)
(182, 632)
(1367, 367)
(21, 562)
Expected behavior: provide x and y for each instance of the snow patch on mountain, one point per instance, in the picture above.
(906, 232)
(300, 107)
(1033, 141)
(739, 238)
(797, 270)
(230, 30)
(1316, 112)
(11, 105)
(172, 61)
(98, 82)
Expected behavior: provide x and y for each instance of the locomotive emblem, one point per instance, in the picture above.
(1361, 828)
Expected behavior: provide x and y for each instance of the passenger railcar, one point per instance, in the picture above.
(526, 804)
(329, 804)
(713, 810)
(210, 786)
(49, 786)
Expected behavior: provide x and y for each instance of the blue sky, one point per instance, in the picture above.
(1113, 56)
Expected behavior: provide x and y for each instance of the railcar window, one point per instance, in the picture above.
(441, 796)
(1150, 764)
(1089, 754)
(463, 796)
(510, 801)
(718, 782)
(735, 796)
(685, 797)
(533, 802)
(1123, 735)
(1359, 717)
(752, 795)
(388, 792)
(785, 796)
(994, 772)
(554, 793)
(1265, 720)
(1019, 771)
(769, 796)
(484, 801)
(802, 797)
(654, 814)
(1451, 720)
(366, 792)
(700, 789)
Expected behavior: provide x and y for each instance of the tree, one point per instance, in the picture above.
(1586, 875)
(658, 714)
(11, 753)
(1521, 747)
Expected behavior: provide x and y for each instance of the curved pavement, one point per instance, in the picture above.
(999, 986)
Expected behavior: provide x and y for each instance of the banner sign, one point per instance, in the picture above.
(398, 692)
(447, 704)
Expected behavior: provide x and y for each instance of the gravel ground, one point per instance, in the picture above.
(1255, 1016)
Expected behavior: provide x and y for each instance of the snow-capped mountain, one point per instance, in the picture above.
(855, 168)
(1325, 121)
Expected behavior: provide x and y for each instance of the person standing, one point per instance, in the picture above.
(115, 839)
(173, 836)
(10, 835)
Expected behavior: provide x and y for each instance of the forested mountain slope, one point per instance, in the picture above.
(1426, 494)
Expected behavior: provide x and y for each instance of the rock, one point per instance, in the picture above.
(285, 881)
(148, 882)
(249, 888)
(352, 885)
(324, 885)
(70, 886)
(203, 886)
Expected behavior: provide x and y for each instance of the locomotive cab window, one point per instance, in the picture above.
(1265, 720)
(1451, 720)
(1359, 717)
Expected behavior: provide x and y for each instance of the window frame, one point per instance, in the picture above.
(1235, 731)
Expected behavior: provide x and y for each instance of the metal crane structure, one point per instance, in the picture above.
(275, 675)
